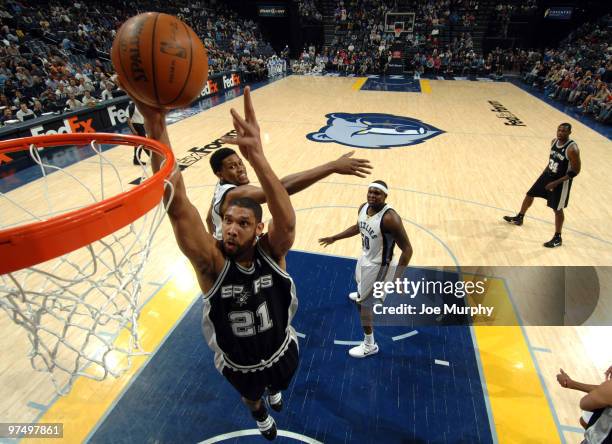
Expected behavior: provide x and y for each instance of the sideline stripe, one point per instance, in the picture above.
(572, 429)
(509, 368)
(347, 342)
(541, 349)
(425, 86)
(359, 83)
(405, 335)
(89, 400)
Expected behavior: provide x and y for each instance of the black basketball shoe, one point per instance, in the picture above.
(267, 428)
(554, 242)
(516, 220)
(276, 401)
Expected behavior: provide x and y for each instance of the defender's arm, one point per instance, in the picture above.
(294, 183)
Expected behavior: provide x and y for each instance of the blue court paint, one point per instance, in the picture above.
(602, 128)
(392, 83)
(397, 396)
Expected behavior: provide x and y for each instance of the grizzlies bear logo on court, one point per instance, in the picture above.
(373, 130)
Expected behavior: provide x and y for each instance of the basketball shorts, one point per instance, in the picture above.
(367, 275)
(252, 385)
(558, 198)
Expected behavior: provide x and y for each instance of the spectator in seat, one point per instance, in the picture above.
(24, 112)
(7, 115)
(88, 100)
(107, 94)
(72, 103)
(38, 109)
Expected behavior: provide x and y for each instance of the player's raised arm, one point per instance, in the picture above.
(281, 231)
(294, 183)
(191, 235)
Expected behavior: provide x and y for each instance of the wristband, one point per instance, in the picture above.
(571, 174)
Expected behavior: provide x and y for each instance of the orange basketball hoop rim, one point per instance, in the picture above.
(33, 243)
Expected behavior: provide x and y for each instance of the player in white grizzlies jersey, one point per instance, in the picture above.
(380, 228)
(234, 182)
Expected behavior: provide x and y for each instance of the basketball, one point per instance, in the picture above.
(160, 60)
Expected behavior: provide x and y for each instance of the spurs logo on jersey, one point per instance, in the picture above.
(558, 162)
(241, 294)
(219, 195)
(377, 247)
(248, 312)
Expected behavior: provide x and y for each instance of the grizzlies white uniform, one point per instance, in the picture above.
(377, 251)
(218, 197)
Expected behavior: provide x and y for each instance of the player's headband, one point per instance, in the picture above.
(379, 186)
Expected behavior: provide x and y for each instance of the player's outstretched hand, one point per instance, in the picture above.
(563, 378)
(248, 139)
(609, 374)
(325, 241)
(345, 164)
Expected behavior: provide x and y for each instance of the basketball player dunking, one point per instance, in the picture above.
(234, 183)
(380, 228)
(249, 299)
(555, 182)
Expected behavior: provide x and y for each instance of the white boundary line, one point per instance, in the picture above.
(255, 432)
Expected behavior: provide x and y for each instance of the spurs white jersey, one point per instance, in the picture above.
(220, 191)
(377, 247)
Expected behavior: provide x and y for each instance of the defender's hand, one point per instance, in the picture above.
(563, 379)
(609, 374)
(325, 241)
(345, 164)
(551, 186)
(248, 139)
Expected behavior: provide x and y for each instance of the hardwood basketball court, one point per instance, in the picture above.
(451, 190)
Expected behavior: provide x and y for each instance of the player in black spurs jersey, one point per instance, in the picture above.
(249, 299)
(555, 182)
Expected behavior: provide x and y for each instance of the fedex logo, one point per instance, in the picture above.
(117, 115)
(71, 125)
(210, 88)
(233, 80)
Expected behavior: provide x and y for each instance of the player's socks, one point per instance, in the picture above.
(516, 220)
(369, 339)
(265, 423)
(556, 241)
(276, 401)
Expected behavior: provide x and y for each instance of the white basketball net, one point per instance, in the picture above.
(80, 310)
